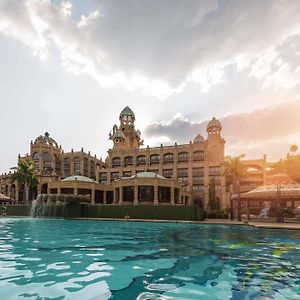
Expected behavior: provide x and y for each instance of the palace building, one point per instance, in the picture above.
(179, 174)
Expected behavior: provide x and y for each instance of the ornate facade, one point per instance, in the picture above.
(188, 167)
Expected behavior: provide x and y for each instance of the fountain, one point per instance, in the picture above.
(59, 205)
(264, 213)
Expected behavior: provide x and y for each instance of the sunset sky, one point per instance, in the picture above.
(69, 68)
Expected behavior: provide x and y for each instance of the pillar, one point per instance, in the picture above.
(93, 196)
(39, 189)
(104, 197)
(17, 196)
(179, 195)
(155, 194)
(136, 195)
(58, 190)
(172, 195)
(26, 195)
(115, 195)
(121, 195)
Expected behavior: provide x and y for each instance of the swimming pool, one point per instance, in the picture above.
(72, 259)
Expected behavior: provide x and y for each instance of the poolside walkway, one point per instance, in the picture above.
(258, 224)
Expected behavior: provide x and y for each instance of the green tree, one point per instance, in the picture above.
(294, 148)
(26, 174)
(212, 198)
(235, 170)
(290, 166)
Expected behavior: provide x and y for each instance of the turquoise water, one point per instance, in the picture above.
(70, 259)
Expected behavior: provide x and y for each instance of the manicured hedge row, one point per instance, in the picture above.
(190, 213)
(168, 212)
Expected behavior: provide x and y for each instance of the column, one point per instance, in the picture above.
(121, 195)
(17, 196)
(179, 195)
(93, 196)
(136, 196)
(155, 194)
(172, 194)
(39, 189)
(104, 197)
(26, 195)
(115, 196)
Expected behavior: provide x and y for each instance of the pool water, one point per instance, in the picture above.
(72, 259)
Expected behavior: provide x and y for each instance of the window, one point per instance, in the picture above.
(114, 176)
(168, 173)
(128, 161)
(102, 177)
(198, 179)
(47, 159)
(183, 180)
(36, 158)
(141, 160)
(154, 159)
(116, 162)
(127, 174)
(214, 171)
(183, 157)
(168, 158)
(67, 166)
(198, 155)
(85, 167)
(198, 188)
(77, 165)
(198, 171)
(182, 172)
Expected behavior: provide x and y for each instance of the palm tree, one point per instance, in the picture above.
(26, 174)
(235, 170)
(293, 148)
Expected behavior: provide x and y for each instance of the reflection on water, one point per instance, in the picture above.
(65, 259)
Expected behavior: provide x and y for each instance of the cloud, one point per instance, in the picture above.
(270, 130)
(158, 47)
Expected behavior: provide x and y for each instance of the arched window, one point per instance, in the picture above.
(168, 158)
(116, 162)
(128, 161)
(154, 159)
(47, 159)
(198, 155)
(36, 158)
(141, 160)
(183, 156)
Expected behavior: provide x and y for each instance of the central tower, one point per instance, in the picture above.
(125, 136)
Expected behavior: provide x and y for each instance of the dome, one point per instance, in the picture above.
(199, 139)
(127, 112)
(147, 175)
(214, 125)
(46, 140)
(79, 178)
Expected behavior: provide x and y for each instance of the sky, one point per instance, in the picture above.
(70, 67)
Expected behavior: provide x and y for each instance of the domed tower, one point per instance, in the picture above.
(215, 143)
(125, 136)
(46, 153)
